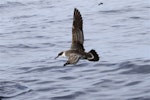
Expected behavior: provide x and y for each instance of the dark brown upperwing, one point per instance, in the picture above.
(77, 32)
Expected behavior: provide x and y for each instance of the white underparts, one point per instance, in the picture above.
(63, 55)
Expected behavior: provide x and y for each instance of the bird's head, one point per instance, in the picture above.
(60, 54)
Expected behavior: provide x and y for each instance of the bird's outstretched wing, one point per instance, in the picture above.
(77, 32)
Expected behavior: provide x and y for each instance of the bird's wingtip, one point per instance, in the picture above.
(75, 9)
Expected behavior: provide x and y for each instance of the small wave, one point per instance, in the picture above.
(34, 37)
(139, 98)
(127, 67)
(135, 67)
(133, 83)
(67, 78)
(111, 11)
(11, 89)
(135, 17)
(23, 16)
(105, 64)
(71, 96)
(11, 4)
(3, 6)
(116, 11)
(40, 69)
(81, 64)
(21, 46)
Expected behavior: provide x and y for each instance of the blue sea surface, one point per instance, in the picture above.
(33, 32)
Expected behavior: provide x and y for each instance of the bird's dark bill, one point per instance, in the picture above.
(56, 57)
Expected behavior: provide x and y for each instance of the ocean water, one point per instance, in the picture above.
(33, 32)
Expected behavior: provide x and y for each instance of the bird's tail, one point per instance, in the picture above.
(93, 55)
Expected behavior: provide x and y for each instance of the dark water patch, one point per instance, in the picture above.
(51, 21)
(45, 7)
(118, 26)
(16, 32)
(110, 11)
(89, 70)
(135, 67)
(45, 82)
(104, 81)
(105, 64)
(87, 39)
(25, 68)
(28, 81)
(127, 64)
(127, 67)
(3, 6)
(138, 98)
(91, 90)
(15, 4)
(48, 44)
(143, 33)
(46, 89)
(35, 37)
(11, 4)
(60, 43)
(39, 37)
(108, 83)
(20, 46)
(146, 61)
(38, 69)
(67, 78)
(23, 17)
(33, 27)
(116, 11)
(62, 69)
(71, 96)
(19, 31)
(109, 67)
(135, 17)
(133, 83)
(147, 6)
(81, 64)
(11, 89)
(43, 66)
(63, 20)
(138, 18)
(44, 60)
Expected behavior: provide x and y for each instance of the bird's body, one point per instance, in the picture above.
(77, 51)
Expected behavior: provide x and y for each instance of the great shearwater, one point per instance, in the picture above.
(77, 50)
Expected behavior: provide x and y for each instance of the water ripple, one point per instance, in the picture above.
(135, 68)
(23, 16)
(71, 96)
(11, 4)
(20, 46)
(117, 11)
(133, 83)
(11, 89)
